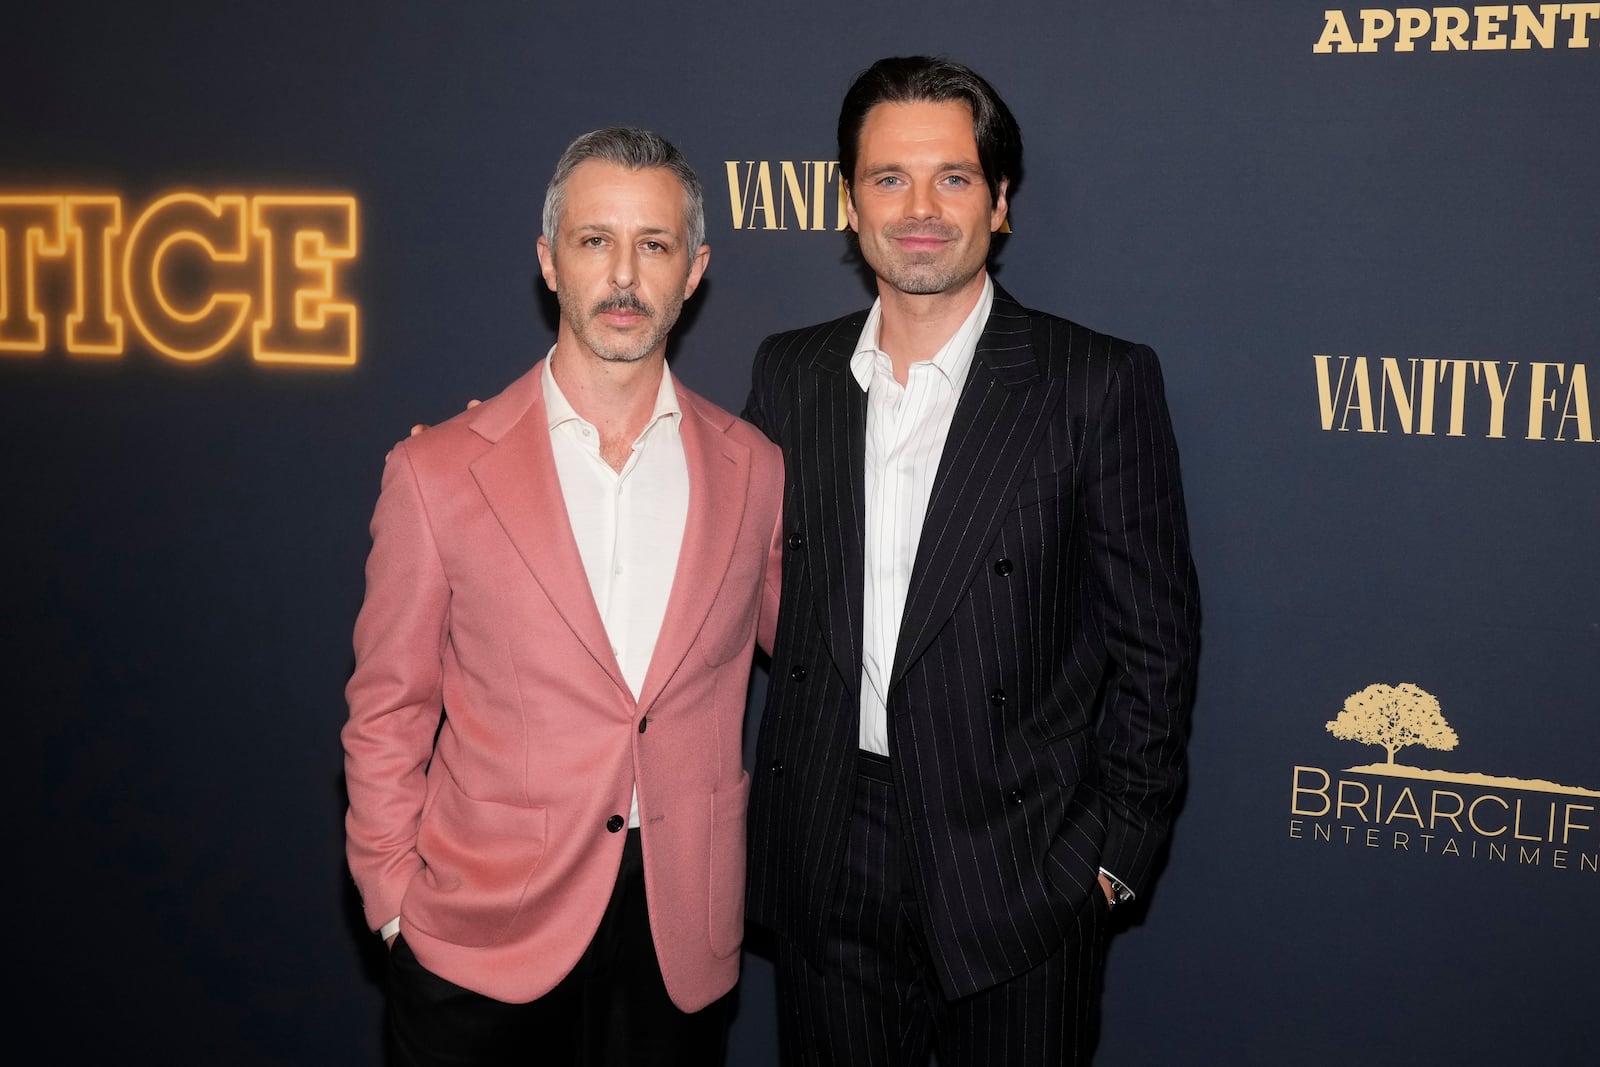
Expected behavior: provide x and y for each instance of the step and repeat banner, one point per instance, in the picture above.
(244, 247)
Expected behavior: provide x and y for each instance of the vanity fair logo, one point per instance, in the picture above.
(1537, 400)
(1437, 815)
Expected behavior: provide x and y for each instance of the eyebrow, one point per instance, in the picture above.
(601, 227)
(960, 166)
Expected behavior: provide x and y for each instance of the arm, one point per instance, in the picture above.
(395, 693)
(1148, 603)
(755, 413)
(755, 405)
(772, 584)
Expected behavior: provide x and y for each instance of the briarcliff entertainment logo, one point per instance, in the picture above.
(1534, 401)
(1400, 808)
(1484, 28)
(184, 278)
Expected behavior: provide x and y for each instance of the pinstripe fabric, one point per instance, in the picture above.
(1044, 671)
(872, 1000)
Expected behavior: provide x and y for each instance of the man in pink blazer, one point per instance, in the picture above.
(575, 573)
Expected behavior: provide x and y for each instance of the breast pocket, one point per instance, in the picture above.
(1045, 487)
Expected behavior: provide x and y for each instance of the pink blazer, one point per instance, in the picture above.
(492, 845)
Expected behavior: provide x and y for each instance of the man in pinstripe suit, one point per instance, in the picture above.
(974, 734)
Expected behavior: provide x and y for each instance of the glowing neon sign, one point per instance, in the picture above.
(187, 277)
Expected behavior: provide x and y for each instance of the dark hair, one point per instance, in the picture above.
(635, 149)
(911, 79)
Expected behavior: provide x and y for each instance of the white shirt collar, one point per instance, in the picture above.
(952, 360)
(559, 410)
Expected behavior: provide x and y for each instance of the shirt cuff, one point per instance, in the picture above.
(390, 928)
(1120, 893)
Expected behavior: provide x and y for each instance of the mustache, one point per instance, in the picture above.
(936, 230)
(622, 301)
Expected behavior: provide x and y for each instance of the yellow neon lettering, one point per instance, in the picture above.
(30, 227)
(306, 322)
(93, 222)
(189, 273)
(154, 260)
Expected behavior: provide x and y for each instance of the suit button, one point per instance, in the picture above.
(997, 697)
(643, 722)
(615, 823)
(777, 769)
(796, 542)
(798, 673)
(1002, 567)
(1016, 796)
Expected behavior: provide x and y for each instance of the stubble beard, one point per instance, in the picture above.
(610, 347)
(920, 273)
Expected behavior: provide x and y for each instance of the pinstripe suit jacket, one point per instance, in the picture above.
(1042, 681)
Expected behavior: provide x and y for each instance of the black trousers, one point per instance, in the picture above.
(875, 1001)
(612, 1010)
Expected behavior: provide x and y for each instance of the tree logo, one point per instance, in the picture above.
(1393, 717)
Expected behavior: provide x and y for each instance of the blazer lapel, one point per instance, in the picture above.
(719, 478)
(830, 453)
(518, 479)
(1003, 410)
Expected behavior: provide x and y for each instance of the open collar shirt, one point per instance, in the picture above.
(905, 437)
(628, 523)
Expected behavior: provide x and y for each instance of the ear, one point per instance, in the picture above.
(997, 215)
(850, 205)
(547, 262)
(697, 270)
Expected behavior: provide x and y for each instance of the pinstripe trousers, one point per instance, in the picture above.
(875, 1001)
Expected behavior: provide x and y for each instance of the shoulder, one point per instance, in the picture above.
(458, 440)
(1070, 349)
(730, 426)
(806, 341)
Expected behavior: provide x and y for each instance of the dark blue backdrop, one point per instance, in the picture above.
(183, 544)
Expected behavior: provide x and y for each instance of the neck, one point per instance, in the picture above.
(617, 398)
(914, 326)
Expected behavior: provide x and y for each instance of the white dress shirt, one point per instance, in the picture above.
(906, 431)
(628, 523)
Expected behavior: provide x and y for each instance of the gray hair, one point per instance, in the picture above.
(635, 149)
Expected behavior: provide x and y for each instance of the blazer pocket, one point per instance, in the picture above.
(1072, 862)
(725, 638)
(479, 858)
(728, 866)
(1044, 487)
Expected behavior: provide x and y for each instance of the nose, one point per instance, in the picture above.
(921, 204)
(624, 267)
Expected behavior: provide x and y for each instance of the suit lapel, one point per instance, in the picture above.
(993, 436)
(518, 479)
(830, 453)
(719, 479)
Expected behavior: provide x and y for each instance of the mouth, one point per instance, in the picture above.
(921, 239)
(920, 244)
(622, 311)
